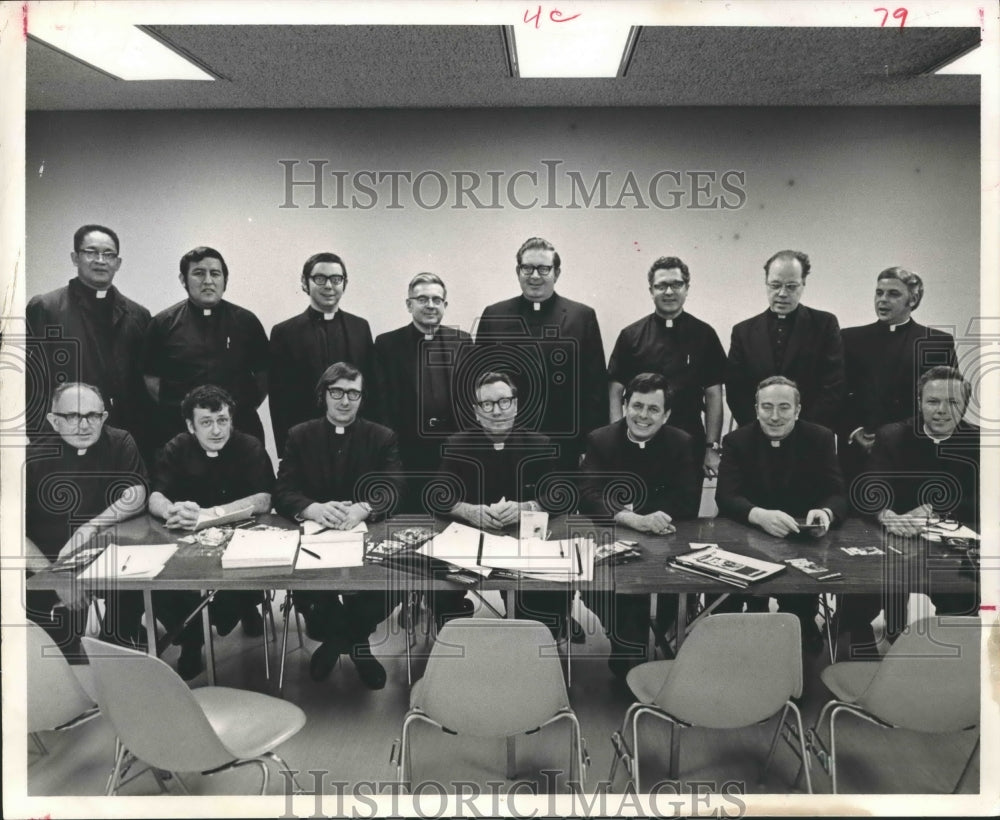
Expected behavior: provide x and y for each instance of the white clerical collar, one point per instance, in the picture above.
(892, 328)
(212, 453)
(338, 430)
(328, 317)
(934, 438)
(81, 452)
(206, 311)
(776, 442)
(427, 336)
(499, 445)
(641, 444)
(536, 306)
(101, 294)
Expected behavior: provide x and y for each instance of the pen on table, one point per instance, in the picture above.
(561, 553)
(310, 552)
(898, 552)
(125, 562)
(830, 577)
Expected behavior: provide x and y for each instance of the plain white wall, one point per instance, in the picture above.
(858, 189)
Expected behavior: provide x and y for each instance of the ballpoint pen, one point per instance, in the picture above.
(125, 562)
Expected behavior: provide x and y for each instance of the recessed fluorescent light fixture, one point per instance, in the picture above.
(118, 49)
(572, 48)
(969, 62)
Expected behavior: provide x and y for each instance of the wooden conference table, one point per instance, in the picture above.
(906, 564)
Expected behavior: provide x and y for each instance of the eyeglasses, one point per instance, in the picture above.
(322, 280)
(92, 255)
(542, 270)
(789, 287)
(663, 287)
(74, 419)
(337, 393)
(488, 405)
(424, 301)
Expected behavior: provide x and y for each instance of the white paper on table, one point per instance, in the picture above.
(458, 544)
(935, 533)
(249, 549)
(139, 561)
(582, 569)
(334, 548)
(313, 527)
(530, 554)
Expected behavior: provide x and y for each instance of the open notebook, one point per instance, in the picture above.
(249, 549)
(140, 561)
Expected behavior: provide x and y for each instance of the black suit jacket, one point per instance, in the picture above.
(883, 367)
(564, 346)
(298, 358)
(402, 383)
(661, 476)
(369, 468)
(814, 360)
(811, 478)
(916, 470)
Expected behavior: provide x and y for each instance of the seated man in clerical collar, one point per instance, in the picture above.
(209, 471)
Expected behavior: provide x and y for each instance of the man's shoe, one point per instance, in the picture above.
(371, 672)
(253, 624)
(324, 658)
(224, 622)
(189, 665)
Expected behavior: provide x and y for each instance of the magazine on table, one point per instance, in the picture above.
(728, 566)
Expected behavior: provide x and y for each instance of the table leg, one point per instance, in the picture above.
(206, 624)
(682, 619)
(147, 600)
(511, 603)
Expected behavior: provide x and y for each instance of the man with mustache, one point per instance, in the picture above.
(205, 340)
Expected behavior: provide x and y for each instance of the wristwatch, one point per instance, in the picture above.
(366, 506)
(714, 446)
(218, 511)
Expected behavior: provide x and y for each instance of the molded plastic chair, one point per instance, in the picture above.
(733, 671)
(927, 682)
(57, 698)
(492, 678)
(168, 726)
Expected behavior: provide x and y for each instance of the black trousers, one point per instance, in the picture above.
(625, 618)
(345, 619)
(225, 611)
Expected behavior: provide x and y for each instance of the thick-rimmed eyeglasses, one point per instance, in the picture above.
(788, 287)
(93, 256)
(488, 405)
(337, 393)
(321, 280)
(424, 301)
(663, 287)
(75, 419)
(541, 270)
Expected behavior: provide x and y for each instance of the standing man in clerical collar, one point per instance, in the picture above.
(206, 340)
(791, 340)
(303, 346)
(339, 471)
(415, 368)
(777, 469)
(883, 361)
(90, 332)
(90, 478)
(209, 471)
(552, 346)
(686, 351)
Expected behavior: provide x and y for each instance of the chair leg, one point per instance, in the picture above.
(967, 767)
(159, 779)
(286, 608)
(675, 752)
(831, 636)
(265, 611)
(112, 785)
(774, 744)
(279, 761)
(511, 758)
(803, 752)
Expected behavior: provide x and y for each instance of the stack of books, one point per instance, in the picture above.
(248, 549)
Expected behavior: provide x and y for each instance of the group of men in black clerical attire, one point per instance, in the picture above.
(426, 418)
